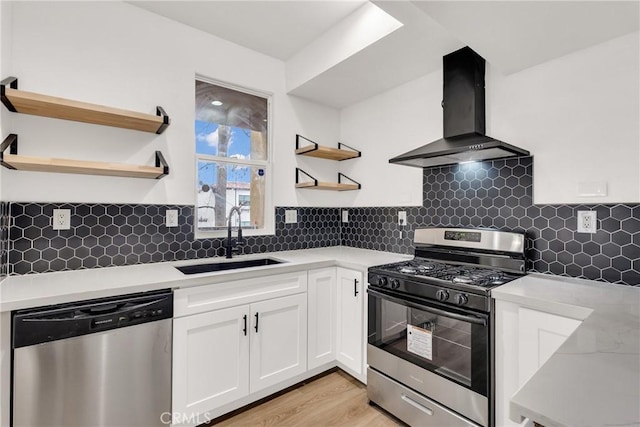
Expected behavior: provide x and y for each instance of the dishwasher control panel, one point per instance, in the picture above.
(51, 323)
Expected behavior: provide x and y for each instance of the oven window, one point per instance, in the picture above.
(453, 348)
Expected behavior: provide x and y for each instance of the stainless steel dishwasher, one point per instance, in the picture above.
(104, 362)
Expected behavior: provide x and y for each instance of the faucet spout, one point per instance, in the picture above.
(230, 246)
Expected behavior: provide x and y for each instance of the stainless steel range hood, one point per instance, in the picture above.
(464, 119)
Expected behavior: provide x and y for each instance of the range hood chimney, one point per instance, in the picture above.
(464, 119)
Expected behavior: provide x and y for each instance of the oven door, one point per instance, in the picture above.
(451, 343)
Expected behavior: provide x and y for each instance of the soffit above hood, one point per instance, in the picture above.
(463, 119)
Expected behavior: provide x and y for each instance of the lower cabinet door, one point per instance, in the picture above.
(321, 310)
(540, 335)
(278, 340)
(210, 360)
(350, 315)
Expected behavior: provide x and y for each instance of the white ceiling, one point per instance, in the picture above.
(275, 28)
(510, 35)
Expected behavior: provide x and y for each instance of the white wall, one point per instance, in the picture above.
(578, 115)
(385, 126)
(5, 58)
(115, 54)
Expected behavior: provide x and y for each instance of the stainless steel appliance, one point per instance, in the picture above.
(103, 362)
(430, 330)
(463, 105)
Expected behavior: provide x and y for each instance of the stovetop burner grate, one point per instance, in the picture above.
(459, 274)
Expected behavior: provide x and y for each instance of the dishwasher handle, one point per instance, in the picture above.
(53, 323)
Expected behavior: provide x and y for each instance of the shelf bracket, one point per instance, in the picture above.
(161, 162)
(341, 175)
(10, 142)
(165, 119)
(340, 145)
(298, 170)
(298, 137)
(12, 82)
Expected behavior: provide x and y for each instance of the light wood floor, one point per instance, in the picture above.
(332, 400)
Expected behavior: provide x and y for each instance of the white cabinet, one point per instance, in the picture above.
(223, 355)
(210, 360)
(321, 309)
(525, 339)
(278, 340)
(539, 336)
(350, 320)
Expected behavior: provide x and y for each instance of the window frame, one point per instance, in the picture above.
(269, 209)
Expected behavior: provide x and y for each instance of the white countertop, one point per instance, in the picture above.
(594, 377)
(33, 290)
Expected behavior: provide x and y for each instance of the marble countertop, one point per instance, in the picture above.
(33, 290)
(594, 377)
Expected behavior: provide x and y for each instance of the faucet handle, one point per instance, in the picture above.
(240, 241)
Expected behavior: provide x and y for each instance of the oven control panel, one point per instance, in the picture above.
(437, 293)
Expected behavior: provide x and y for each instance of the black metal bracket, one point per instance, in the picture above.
(298, 170)
(12, 82)
(314, 146)
(161, 162)
(341, 175)
(10, 142)
(340, 145)
(165, 119)
(298, 137)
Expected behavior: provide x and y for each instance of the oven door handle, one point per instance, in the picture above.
(471, 319)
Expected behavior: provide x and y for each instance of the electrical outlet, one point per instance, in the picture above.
(61, 219)
(345, 216)
(587, 222)
(171, 217)
(290, 216)
(402, 217)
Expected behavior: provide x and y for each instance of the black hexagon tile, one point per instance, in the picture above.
(495, 194)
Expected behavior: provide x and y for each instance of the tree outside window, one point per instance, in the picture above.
(233, 165)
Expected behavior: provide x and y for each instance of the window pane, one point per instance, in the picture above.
(222, 186)
(230, 123)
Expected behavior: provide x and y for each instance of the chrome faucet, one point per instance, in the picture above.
(230, 246)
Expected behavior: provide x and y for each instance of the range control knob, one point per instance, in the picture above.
(442, 295)
(460, 299)
(395, 283)
(382, 281)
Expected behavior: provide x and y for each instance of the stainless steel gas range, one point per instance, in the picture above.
(430, 331)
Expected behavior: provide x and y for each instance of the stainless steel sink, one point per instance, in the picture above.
(221, 266)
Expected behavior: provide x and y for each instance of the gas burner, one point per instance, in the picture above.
(479, 277)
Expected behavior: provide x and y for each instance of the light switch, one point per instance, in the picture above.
(171, 219)
(592, 189)
(290, 216)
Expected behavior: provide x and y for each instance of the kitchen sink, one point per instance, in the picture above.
(221, 266)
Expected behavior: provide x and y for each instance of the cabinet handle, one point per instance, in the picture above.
(245, 325)
(355, 287)
(256, 322)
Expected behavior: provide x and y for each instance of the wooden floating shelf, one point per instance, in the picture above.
(314, 184)
(60, 108)
(334, 186)
(47, 164)
(323, 152)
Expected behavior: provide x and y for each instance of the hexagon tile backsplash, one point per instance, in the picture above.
(112, 235)
(495, 194)
(498, 194)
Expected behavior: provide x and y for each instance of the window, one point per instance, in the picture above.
(233, 162)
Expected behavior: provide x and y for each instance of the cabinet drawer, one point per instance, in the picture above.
(228, 294)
